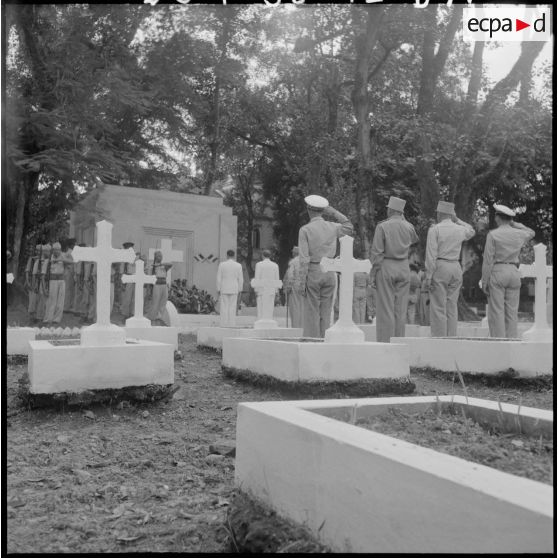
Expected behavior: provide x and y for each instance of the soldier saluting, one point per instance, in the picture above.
(316, 240)
(390, 271)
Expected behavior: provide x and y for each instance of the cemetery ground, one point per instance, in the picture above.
(159, 476)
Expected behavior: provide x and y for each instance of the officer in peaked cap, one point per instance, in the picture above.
(390, 271)
(317, 239)
(444, 275)
(501, 279)
(56, 285)
(31, 280)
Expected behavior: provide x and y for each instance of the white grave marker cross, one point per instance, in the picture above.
(345, 330)
(104, 255)
(541, 272)
(267, 289)
(139, 278)
(169, 255)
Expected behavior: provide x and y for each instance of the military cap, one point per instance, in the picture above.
(503, 210)
(446, 207)
(316, 202)
(397, 204)
(128, 244)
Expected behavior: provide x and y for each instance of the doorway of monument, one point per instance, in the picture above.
(182, 241)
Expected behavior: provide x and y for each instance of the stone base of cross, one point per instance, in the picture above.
(344, 329)
(266, 289)
(541, 331)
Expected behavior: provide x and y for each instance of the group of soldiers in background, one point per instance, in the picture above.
(57, 284)
(397, 290)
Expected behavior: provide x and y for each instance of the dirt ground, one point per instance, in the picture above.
(135, 478)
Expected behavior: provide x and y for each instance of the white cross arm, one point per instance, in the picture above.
(531, 270)
(169, 255)
(336, 264)
(79, 253)
(134, 278)
(266, 283)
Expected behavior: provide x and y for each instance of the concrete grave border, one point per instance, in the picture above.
(361, 491)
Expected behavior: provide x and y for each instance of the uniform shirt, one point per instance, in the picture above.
(230, 278)
(361, 280)
(503, 244)
(392, 240)
(57, 265)
(318, 239)
(267, 270)
(444, 241)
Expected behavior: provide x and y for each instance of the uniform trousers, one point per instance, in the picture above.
(69, 293)
(55, 301)
(503, 300)
(392, 286)
(158, 301)
(446, 285)
(359, 305)
(227, 309)
(127, 304)
(318, 301)
(296, 308)
(412, 308)
(32, 308)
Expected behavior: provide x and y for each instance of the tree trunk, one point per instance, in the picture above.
(432, 67)
(460, 195)
(364, 46)
(26, 185)
(226, 16)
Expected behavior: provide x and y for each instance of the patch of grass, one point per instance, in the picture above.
(505, 379)
(143, 394)
(351, 388)
(253, 527)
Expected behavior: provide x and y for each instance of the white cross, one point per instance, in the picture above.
(266, 288)
(344, 330)
(169, 255)
(540, 331)
(139, 278)
(104, 255)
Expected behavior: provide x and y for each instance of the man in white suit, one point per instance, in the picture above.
(229, 283)
(267, 272)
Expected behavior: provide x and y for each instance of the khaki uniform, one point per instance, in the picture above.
(160, 291)
(443, 248)
(42, 294)
(500, 274)
(78, 288)
(291, 284)
(69, 281)
(31, 278)
(361, 280)
(390, 268)
(128, 298)
(317, 239)
(56, 290)
(414, 291)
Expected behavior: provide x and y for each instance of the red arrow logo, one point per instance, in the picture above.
(519, 25)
